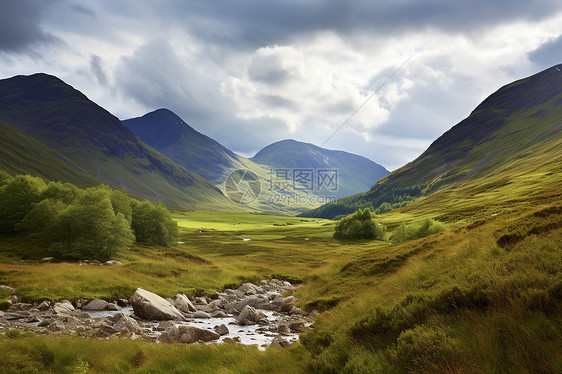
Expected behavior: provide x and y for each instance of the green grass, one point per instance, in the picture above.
(454, 301)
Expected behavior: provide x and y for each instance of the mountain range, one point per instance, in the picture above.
(52, 130)
(511, 135)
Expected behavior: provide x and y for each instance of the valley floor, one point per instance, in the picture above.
(484, 296)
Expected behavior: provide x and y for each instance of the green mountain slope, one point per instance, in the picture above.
(66, 121)
(522, 121)
(21, 154)
(354, 173)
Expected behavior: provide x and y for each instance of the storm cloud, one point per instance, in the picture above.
(248, 73)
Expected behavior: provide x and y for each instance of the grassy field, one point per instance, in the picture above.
(484, 296)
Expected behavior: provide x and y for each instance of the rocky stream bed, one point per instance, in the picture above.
(252, 314)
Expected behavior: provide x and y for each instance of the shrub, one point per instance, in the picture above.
(416, 230)
(359, 225)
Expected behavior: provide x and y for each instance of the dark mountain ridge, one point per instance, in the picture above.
(65, 120)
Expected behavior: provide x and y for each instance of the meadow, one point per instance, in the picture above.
(483, 296)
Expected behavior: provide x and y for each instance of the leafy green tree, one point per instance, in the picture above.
(65, 193)
(17, 196)
(89, 228)
(40, 223)
(359, 225)
(152, 223)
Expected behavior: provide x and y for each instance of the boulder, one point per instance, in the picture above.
(201, 314)
(188, 334)
(150, 306)
(219, 314)
(10, 289)
(123, 322)
(183, 303)
(287, 304)
(298, 326)
(221, 330)
(280, 341)
(250, 289)
(111, 306)
(250, 316)
(63, 307)
(96, 304)
(44, 305)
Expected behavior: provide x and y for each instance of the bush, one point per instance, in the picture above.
(416, 230)
(359, 225)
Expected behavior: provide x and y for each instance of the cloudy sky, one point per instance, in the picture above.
(249, 73)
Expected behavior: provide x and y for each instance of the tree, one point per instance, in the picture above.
(152, 223)
(359, 225)
(17, 196)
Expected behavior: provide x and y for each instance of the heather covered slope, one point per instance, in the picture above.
(63, 119)
(520, 122)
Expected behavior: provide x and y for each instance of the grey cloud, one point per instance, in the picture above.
(278, 101)
(251, 24)
(96, 68)
(548, 54)
(20, 27)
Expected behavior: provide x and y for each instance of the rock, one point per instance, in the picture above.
(4, 287)
(188, 334)
(16, 314)
(298, 326)
(47, 259)
(183, 303)
(283, 329)
(20, 306)
(111, 306)
(287, 304)
(201, 300)
(150, 306)
(123, 322)
(122, 302)
(44, 324)
(279, 341)
(63, 307)
(219, 314)
(33, 318)
(96, 304)
(56, 326)
(44, 305)
(250, 289)
(221, 330)
(112, 262)
(15, 299)
(250, 316)
(200, 314)
(165, 325)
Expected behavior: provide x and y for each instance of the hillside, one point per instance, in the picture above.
(164, 131)
(63, 119)
(521, 121)
(21, 154)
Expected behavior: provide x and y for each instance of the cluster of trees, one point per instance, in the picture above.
(380, 199)
(359, 225)
(76, 223)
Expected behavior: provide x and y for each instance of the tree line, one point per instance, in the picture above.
(74, 223)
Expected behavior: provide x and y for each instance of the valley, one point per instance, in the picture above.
(484, 294)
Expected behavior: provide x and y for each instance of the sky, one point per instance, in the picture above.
(382, 79)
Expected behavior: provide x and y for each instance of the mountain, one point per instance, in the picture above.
(22, 154)
(513, 133)
(354, 173)
(164, 131)
(96, 144)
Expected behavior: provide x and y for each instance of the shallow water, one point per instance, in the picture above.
(248, 335)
